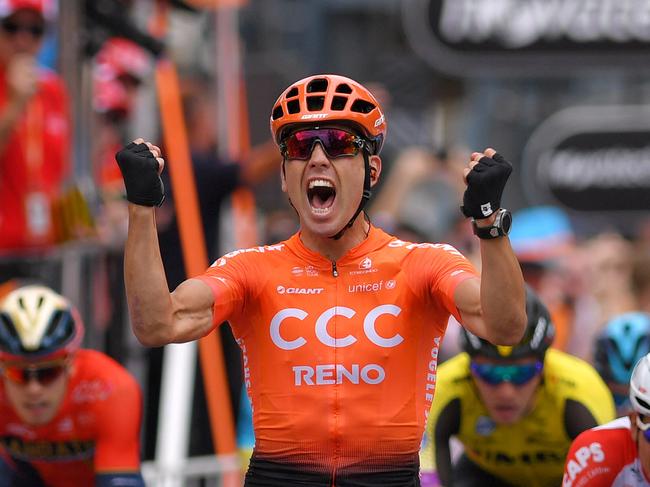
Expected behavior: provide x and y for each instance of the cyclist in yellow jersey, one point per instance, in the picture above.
(515, 410)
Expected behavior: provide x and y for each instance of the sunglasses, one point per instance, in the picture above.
(11, 27)
(44, 374)
(335, 142)
(518, 374)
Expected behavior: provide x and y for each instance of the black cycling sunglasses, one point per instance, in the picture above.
(44, 374)
(335, 142)
(12, 27)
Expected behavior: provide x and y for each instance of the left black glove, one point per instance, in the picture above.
(485, 183)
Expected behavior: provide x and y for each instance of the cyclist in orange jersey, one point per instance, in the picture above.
(340, 324)
(68, 417)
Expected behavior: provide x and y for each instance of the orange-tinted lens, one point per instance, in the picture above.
(335, 142)
(43, 375)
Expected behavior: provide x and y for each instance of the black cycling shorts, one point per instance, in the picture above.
(265, 473)
(467, 474)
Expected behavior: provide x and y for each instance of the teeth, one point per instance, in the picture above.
(320, 182)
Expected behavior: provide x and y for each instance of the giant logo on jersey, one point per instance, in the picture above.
(326, 374)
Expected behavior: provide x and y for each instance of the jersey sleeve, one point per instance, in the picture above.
(229, 278)
(595, 458)
(440, 268)
(118, 431)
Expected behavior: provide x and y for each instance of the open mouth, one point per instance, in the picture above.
(36, 407)
(321, 195)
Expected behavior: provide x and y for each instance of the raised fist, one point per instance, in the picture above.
(486, 177)
(141, 165)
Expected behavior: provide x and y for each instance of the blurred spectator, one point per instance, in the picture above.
(641, 275)
(607, 268)
(623, 341)
(609, 274)
(34, 130)
(544, 243)
(215, 178)
(421, 196)
(119, 69)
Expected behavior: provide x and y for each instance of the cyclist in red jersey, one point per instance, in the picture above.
(68, 417)
(616, 454)
(340, 324)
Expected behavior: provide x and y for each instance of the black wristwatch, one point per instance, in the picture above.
(499, 228)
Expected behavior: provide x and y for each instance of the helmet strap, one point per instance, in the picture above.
(288, 198)
(365, 197)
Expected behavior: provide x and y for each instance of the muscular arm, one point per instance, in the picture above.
(159, 317)
(494, 307)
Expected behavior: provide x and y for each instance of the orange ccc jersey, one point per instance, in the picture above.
(339, 358)
(96, 430)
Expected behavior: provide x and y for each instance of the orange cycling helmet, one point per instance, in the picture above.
(326, 98)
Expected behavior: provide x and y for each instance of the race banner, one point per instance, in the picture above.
(591, 159)
(528, 37)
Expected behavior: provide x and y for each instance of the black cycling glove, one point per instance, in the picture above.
(140, 173)
(485, 183)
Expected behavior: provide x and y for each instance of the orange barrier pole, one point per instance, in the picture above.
(194, 251)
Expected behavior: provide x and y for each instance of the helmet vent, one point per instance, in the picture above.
(8, 336)
(642, 403)
(8, 325)
(362, 106)
(344, 88)
(59, 329)
(293, 92)
(277, 112)
(339, 102)
(293, 106)
(319, 85)
(315, 103)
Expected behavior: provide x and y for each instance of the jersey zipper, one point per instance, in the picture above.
(337, 445)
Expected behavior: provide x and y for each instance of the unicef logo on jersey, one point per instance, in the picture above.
(484, 426)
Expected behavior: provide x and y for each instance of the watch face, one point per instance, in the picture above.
(506, 222)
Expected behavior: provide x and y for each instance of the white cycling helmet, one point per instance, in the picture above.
(640, 386)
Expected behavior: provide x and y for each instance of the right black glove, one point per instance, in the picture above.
(139, 169)
(485, 183)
